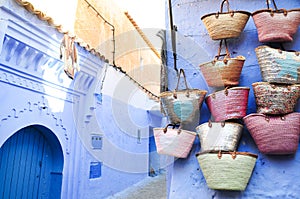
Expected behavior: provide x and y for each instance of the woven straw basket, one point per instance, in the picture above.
(275, 98)
(224, 25)
(277, 25)
(274, 134)
(223, 73)
(174, 142)
(228, 104)
(219, 136)
(227, 170)
(278, 66)
(182, 106)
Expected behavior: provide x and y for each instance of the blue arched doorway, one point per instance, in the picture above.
(31, 164)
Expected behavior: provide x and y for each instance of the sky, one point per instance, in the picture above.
(147, 13)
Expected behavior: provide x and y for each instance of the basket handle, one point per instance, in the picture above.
(174, 125)
(233, 154)
(220, 155)
(221, 9)
(274, 86)
(226, 56)
(226, 90)
(228, 9)
(273, 1)
(284, 11)
(210, 123)
(267, 118)
(297, 53)
(185, 82)
(222, 5)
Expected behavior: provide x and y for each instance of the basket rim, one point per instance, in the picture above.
(168, 93)
(254, 114)
(205, 123)
(221, 13)
(269, 10)
(227, 153)
(264, 115)
(237, 58)
(182, 130)
(233, 88)
(276, 84)
(265, 46)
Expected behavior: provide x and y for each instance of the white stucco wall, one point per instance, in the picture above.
(35, 90)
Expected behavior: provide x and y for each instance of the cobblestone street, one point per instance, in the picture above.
(150, 188)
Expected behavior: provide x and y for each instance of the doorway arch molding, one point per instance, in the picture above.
(34, 113)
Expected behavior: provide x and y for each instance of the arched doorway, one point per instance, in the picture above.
(31, 164)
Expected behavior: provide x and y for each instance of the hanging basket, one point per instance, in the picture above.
(219, 136)
(230, 103)
(224, 25)
(182, 106)
(275, 98)
(274, 134)
(174, 142)
(223, 73)
(278, 66)
(227, 170)
(277, 25)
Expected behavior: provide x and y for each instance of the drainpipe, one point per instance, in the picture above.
(173, 35)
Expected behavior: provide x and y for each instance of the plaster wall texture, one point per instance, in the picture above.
(35, 90)
(273, 176)
(131, 51)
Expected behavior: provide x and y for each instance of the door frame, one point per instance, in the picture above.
(57, 159)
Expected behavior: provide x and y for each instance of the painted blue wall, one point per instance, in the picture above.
(34, 90)
(273, 176)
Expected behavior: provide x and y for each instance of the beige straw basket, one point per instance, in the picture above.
(225, 72)
(227, 170)
(182, 106)
(219, 136)
(223, 25)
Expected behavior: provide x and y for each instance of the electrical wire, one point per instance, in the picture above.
(149, 93)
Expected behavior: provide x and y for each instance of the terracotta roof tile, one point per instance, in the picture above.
(42, 16)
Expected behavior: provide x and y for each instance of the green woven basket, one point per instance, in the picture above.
(227, 170)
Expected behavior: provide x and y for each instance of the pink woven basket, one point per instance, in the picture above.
(277, 25)
(228, 104)
(274, 134)
(174, 142)
(275, 98)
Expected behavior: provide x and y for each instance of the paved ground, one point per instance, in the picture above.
(150, 188)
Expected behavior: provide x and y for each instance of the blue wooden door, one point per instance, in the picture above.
(27, 164)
